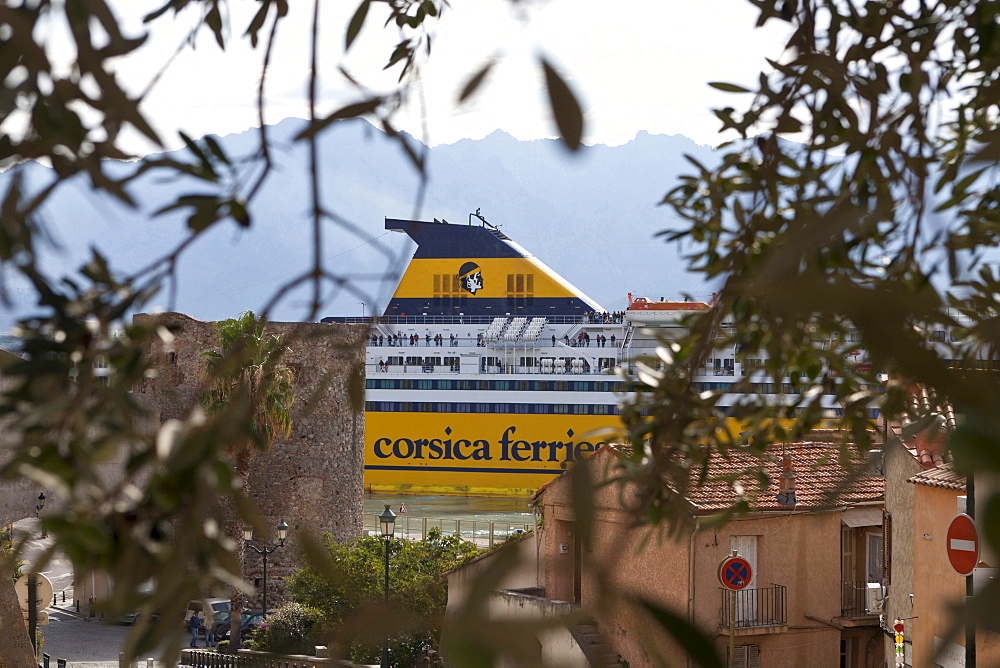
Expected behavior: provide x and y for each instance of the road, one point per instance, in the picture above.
(84, 643)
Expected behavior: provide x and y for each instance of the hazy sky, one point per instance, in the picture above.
(639, 65)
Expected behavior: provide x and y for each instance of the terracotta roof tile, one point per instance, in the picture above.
(817, 475)
(929, 448)
(943, 476)
(820, 480)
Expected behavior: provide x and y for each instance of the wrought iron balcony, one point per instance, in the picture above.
(852, 600)
(755, 608)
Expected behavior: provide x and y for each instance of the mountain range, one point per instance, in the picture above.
(591, 216)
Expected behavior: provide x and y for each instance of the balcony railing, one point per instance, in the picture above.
(763, 606)
(852, 599)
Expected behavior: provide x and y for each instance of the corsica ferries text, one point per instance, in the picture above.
(506, 448)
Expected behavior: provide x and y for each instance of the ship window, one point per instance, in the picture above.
(523, 385)
(562, 386)
(560, 408)
(522, 408)
(579, 409)
(426, 407)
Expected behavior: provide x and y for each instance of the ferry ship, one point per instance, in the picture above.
(488, 373)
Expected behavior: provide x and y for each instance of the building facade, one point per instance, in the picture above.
(812, 552)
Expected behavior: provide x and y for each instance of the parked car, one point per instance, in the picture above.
(249, 620)
(214, 605)
(222, 619)
(146, 589)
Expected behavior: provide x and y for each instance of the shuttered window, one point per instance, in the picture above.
(746, 656)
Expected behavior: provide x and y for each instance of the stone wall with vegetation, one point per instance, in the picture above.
(314, 478)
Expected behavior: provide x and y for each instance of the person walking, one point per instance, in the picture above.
(194, 624)
(210, 631)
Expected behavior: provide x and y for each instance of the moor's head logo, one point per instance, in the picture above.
(471, 277)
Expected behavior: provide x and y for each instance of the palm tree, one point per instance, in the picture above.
(248, 382)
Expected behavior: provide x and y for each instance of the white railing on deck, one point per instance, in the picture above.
(484, 533)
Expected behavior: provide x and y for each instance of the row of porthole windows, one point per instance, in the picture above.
(532, 409)
(495, 385)
(468, 407)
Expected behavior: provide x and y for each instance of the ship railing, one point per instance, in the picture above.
(447, 320)
(484, 533)
(373, 369)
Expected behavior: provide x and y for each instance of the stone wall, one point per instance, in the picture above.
(314, 478)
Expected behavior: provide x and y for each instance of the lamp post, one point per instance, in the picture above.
(388, 521)
(265, 551)
(362, 310)
(38, 510)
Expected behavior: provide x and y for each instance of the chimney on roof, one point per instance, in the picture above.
(786, 484)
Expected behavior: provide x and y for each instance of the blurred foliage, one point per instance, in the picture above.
(68, 406)
(6, 550)
(348, 586)
(859, 198)
(851, 225)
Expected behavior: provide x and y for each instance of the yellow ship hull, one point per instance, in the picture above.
(470, 454)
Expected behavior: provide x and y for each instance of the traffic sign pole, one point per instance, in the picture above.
(970, 588)
(732, 626)
(33, 612)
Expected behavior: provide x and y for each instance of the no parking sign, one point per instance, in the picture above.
(735, 573)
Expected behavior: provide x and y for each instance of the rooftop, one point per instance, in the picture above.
(816, 471)
(820, 479)
(943, 476)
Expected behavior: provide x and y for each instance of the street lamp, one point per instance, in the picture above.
(388, 521)
(248, 536)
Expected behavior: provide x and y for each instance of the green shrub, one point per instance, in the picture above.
(288, 630)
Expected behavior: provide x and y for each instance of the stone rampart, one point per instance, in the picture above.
(314, 478)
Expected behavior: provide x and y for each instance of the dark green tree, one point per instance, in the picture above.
(347, 589)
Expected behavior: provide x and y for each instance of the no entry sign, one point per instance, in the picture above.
(735, 573)
(962, 544)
